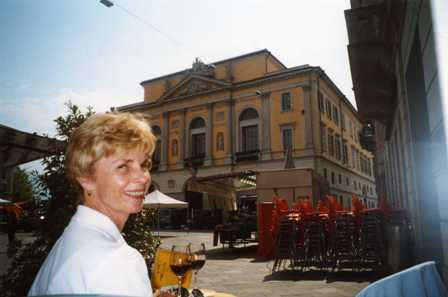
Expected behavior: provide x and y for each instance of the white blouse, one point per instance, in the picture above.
(92, 257)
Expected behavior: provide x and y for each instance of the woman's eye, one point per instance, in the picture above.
(122, 166)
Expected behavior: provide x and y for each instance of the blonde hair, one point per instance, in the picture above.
(102, 135)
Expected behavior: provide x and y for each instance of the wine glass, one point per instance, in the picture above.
(197, 259)
(179, 263)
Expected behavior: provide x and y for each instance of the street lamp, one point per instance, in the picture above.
(107, 3)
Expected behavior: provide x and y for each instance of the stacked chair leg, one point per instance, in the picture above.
(285, 246)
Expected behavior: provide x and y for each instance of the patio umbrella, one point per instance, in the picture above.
(157, 200)
(10, 206)
(4, 201)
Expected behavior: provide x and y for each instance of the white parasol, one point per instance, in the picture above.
(157, 200)
(4, 201)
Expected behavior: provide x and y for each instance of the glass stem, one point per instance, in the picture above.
(195, 281)
(179, 290)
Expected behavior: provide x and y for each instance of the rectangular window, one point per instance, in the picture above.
(328, 108)
(363, 164)
(347, 181)
(286, 102)
(337, 142)
(330, 143)
(342, 120)
(359, 160)
(332, 177)
(353, 157)
(340, 179)
(323, 137)
(321, 102)
(336, 115)
(325, 173)
(250, 138)
(198, 145)
(351, 129)
(287, 138)
(344, 152)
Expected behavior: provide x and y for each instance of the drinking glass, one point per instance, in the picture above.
(197, 259)
(179, 263)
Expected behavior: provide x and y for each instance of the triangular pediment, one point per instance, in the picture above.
(194, 84)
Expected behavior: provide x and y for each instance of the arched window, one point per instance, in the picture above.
(174, 148)
(157, 152)
(249, 130)
(197, 136)
(249, 114)
(156, 130)
(220, 141)
(197, 123)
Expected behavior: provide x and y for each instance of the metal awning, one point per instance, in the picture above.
(18, 147)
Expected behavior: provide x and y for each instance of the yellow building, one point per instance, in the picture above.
(242, 114)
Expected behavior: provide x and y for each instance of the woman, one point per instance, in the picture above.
(108, 158)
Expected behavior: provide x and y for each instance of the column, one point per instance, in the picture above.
(266, 126)
(182, 141)
(209, 136)
(308, 117)
(165, 142)
(229, 140)
(186, 136)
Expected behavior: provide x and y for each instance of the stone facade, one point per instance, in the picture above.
(411, 150)
(242, 113)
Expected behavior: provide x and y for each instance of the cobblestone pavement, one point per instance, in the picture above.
(237, 271)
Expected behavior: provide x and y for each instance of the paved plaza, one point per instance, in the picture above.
(237, 271)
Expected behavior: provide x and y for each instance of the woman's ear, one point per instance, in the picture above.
(87, 183)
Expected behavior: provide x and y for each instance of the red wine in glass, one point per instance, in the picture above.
(180, 264)
(197, 259)
(180, 269)
(197, 264)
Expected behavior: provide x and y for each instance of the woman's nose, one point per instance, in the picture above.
(141, 175)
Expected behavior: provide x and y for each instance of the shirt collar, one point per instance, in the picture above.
(98, 220)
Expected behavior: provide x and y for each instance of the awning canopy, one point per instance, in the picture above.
(157, 199)
(18, 147)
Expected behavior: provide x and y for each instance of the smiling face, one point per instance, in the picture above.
(118, 185)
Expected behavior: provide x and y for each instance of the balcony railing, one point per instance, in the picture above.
(367, 138)
(252, 155)
(194, 161)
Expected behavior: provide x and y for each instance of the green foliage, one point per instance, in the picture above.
(22, 186)
(60, 198)
(138, 234)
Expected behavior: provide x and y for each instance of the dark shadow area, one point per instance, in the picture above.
(296, 275)
(232, 253)
(164, 236)
(329, 277)
(354, 276)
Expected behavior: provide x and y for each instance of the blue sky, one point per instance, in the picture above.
(79, 50)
